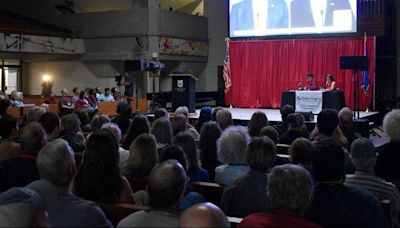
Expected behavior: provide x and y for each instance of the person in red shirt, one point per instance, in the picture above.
(82, 102)
(330, 84)
(311, 83)
(289, 190)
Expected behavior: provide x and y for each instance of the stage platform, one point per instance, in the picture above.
(274, 115)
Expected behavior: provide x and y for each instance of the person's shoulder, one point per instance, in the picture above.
(131, 219)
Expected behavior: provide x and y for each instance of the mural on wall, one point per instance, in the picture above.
(40, 44)
(174, 46)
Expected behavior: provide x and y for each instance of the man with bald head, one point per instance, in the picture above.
(204, 215)
(166, 187)
(20, 171)
(346, 124)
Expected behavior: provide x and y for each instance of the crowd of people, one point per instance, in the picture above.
(332, 177)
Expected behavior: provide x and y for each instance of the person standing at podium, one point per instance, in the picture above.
(330, 83)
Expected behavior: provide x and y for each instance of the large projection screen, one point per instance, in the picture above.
(251, 18)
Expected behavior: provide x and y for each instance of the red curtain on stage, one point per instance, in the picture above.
(261, 70)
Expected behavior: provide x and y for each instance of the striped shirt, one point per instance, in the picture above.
(378, 186)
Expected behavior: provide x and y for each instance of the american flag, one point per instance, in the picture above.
(365, 73)
(227, 69)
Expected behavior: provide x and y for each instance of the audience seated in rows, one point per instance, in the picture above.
(257, 122)
(186, 141)
(98, 120)
(9, 148)
(123, 118)
(20, 171)
(204, 215)
(363, 156)
(204, 117)
(51, 124)
(138, 126)
(231, 151)
(300, 154)
(166, 188)
(224, 118)
(114, 129)
(99, 178)
(92, 99)
(346, 124)
(76, 91)
(335, 204)
(387, 163)
(56, 166)
(72, 132)
(209, 134)
(289, 190)
(162, 130)
(282, 127)
(35, 113)
(107, 96)
(295, 129)
(246, 194)
(142, 158)
(82, 102)
(83, 116)
(183, 110)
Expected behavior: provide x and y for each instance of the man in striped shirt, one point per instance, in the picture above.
(363, 157)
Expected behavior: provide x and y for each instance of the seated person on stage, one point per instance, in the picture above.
(106, 97)
(311, 83)
(284, 181)
(363, 156)
(335, 204)
(66, 103)
(330, 84)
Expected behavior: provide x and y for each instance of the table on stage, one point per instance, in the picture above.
(330, 99)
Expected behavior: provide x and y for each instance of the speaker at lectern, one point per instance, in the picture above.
(184, 91)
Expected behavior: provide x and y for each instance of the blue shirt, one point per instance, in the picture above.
(199, 175)
(227, 173)
(105, 98)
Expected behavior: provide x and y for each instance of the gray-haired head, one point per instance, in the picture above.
(391, 125)
(98, 121)
(363, 155)
(182, 110)
(345, 117)
(35, 113)
(53, 162)
(295, 120)
(162, 130)
(32, 138)
(204, 215)
(114, 129)
(289, 187)
(232, 145)
(71, 123)
(224, 118)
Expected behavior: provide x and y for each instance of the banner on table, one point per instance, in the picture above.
(309, 101)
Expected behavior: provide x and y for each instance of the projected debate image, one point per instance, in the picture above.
(290, 17)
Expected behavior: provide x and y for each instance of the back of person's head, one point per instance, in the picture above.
(209, 134)
(71, 123)
(345, 117)
(289, 187)
(327, 159)
(83, 115)
(224, 118)
(327, 121)
(183, 110)
(124, 109)
(300, 151)
(22, 207)
(258, 120)
(260, 154)
(204, 215)
(35, 113)
(143, 156)
(138, 126)
(8, 127)
(55, 161)
(214, 113)
(75, 90)
(286, 110)
(32, 138)
(50, 122)
(82, 94)
(4, 104)
(271, 133)
(391, 125)
(205, 114)
(99, 176)
(232, 145)
(98, 121)
(363, 155)
(166, 185)
(178, 123)
(162, 130)
(174, 152)
(295, 121)
(114, 129)
(186, 141)
(160, 112)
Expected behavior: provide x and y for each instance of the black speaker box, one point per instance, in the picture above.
(354, 62)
